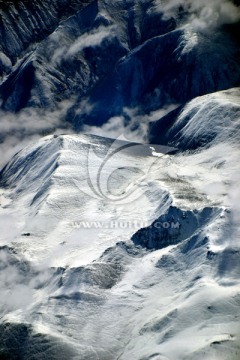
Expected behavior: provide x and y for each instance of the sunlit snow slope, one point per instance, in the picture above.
(111, 249)
(77, 63)
(116, 292)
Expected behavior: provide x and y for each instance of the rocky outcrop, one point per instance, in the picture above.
(24, 23)
(172, 228)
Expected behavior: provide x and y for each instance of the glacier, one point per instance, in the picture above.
(119, 247)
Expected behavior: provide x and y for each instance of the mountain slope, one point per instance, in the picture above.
(97, 290)
(205, 121)
(106, 47)
(24, 23)
(110, 248)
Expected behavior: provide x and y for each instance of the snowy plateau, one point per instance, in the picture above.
(119, 181)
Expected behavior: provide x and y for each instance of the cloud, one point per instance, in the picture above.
(202, 15)
(29, 125)
(213, 14)
(9, 225)
(113, 128)
(20, 282)
(132, 124)
(91, 39)
(15, 293)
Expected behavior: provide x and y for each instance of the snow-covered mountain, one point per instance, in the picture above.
(79, 280)
(111, 248)
(100, 56)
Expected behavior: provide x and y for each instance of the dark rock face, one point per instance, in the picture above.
(172, 228)
(111, 56)
(26, 22)
(171, 74)
(19, 341)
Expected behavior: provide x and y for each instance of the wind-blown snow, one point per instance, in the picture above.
(100, 294)
(111, 249)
